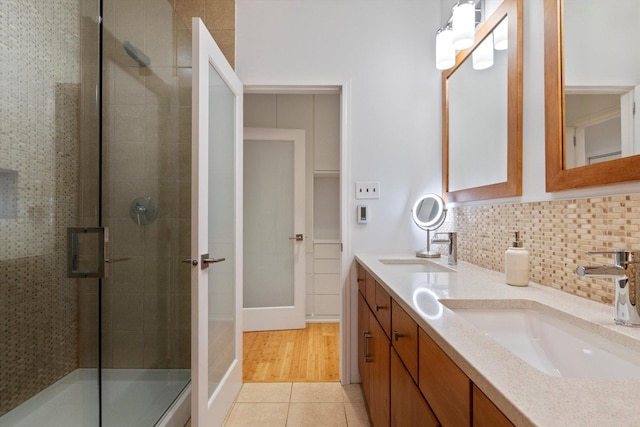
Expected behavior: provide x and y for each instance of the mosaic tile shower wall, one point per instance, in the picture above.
(557, 235)
(39, 142)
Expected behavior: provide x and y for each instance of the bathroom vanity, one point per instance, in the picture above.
(457, 346)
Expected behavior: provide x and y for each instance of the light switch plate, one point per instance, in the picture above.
(367, 190)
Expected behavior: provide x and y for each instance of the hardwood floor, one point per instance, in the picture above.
(302, 355)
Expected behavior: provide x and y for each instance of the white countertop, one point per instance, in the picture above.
(526, 395)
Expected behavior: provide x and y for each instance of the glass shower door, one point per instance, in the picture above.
(146, 189)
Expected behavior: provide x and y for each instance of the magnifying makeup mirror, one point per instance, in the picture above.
(429, 213)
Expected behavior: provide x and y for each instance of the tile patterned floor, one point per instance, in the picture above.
(298, 405)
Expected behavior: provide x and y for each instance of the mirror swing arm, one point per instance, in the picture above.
(558, 176)
(511, 9)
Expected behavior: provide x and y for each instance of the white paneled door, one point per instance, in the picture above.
(274, 223)
(216, 233)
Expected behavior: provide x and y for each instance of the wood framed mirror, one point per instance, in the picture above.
(583, 64)
(482, 116)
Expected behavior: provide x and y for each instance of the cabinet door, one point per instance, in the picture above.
(382, 309)
(361, 278)
(444, 385)
(379, 380)
(363, 345)
(370, 291)
(404, 338)
(408, 407)
(485, 413)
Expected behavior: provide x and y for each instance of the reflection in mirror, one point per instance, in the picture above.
(429, 213)
(600, 80)
(478, 124)
(482, 113)
(595, 138)
(593, 127)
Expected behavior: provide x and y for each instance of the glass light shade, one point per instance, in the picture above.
(445, 53)
(464, 24)
(501, 35)
(483, 54)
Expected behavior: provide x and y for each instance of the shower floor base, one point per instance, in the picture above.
(132, 397)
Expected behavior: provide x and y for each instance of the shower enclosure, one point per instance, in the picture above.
(95, 134)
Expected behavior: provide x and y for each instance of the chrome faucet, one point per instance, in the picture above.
(452, 241)
(626, 275)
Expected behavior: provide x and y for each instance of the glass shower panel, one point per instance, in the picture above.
(49, 172)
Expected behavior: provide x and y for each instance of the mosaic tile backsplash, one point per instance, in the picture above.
(556, 233)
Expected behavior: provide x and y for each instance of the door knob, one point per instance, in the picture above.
(297, 238)
(205, 260)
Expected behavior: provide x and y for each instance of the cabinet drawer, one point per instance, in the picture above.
(326, 284)
(326, 251)
(444, 385)
(361, 278)
(382, 308)
(485, 413)
(326, 266)
(404, 338)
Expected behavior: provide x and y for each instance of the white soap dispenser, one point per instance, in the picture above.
(516, 263)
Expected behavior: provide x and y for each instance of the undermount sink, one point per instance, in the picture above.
(416, 265)
(554, 342)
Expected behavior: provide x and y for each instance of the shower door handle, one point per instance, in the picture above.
(98, 258)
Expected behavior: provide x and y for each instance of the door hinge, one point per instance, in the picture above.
(341, 247)
(574, 140)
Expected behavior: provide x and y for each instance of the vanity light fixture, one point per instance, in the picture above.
(445, 52)
(459, 33)
(463, 23)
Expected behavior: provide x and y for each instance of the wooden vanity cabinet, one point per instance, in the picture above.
(407, 379)
(444, 385)
(408, 407)
(373, 363)
(485, 413)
